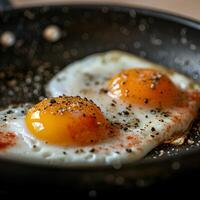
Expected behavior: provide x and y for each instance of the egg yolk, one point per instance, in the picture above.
(67, 121)
(144, 87)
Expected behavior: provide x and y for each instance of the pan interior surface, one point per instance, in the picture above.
(37, 43)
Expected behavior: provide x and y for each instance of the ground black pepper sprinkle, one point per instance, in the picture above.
(153, 112)
(153, 129)
(77, 151)
(152, 136)
(158, 109)
(124, 82)
(10, 112)
(128, 150)
(92, 150)
(128, 108)
(52, 101)
(125, 112)
(64, 152)
(102, 90)
(114, 101)
(146, 101)
(136, 125)
(166, 115)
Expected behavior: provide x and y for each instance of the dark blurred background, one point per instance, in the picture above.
(182, 7)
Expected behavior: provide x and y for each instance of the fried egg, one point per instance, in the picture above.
(61, 130)
(147, 101)
(107, 109)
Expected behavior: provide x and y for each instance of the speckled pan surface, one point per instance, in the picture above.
(36, 43)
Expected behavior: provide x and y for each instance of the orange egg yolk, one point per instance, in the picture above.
(67, 121)
(144, 87)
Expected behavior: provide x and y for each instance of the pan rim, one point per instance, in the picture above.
(192, 23)
(152, 12)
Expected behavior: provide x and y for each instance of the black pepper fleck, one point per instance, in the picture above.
(152, 136)
(102, 90)
(165, 115)
(146, 101)
(128, 150)
(81, 150)
(125, 112)
(52, 101)
(92, 150)
(10, 112)
(153, 112)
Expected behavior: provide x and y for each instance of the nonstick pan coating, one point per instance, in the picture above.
(32, 60)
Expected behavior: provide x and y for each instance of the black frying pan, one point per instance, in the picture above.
(86, 29)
